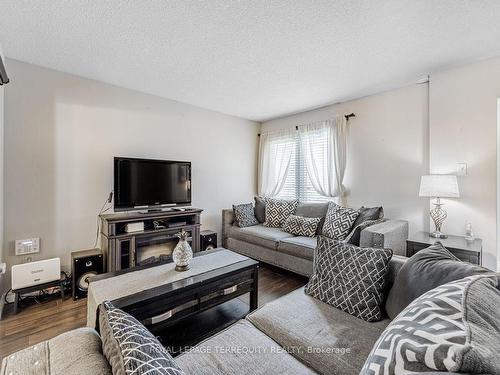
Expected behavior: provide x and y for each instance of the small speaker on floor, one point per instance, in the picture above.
(84, 265)
(208, 240)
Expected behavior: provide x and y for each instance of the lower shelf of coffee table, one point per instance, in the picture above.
(193, 330)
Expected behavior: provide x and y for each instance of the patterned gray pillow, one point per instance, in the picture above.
(278, 210)
(350, 278)
(339, 221)
(301, 226)
(454, 327)
(129, 347)
(244, 215)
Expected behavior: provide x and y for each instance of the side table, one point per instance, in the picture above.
(468, 251)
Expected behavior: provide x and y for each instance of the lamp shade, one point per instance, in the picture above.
(439, 185)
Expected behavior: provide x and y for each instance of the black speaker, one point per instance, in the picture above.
(85, 264)
(208, 240)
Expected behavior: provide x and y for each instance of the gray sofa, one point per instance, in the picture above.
(295, 253)
(295, 334)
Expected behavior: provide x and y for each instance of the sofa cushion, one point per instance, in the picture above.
(278, 210)
(241, 349)
(129, 347)
(424, 271)
(301, 226)
(260, 209)
(454, 327)
(350, 278)
(338, 221)
(77, 352)
(244, 215)
(309, 209)
(324, 338)
(259, 235)
(302, 247)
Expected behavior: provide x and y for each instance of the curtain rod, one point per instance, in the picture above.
(347, 117)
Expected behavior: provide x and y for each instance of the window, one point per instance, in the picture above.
(298, 184)
(306, 163)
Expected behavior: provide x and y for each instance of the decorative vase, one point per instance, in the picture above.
(182, 253)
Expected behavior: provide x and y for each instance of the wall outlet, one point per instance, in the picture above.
(3, 268)
(461, 169)
(28, 246)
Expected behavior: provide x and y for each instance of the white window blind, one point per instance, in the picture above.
(298, 184)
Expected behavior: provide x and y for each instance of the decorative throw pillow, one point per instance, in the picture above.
(355, 236)
(301, 226)
(369, 213)
(129, 347)
(244, 215)
(278, 210)
(350, 278)
(260, 209)
(339, 221)
(313, 209)
(427, 269)
(454, 327)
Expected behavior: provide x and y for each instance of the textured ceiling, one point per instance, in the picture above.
(254, 59)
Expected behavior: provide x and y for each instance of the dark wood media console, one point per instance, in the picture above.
(124, 249)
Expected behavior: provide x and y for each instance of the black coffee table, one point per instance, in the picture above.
(184, 312)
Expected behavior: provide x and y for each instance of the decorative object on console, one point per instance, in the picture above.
(278, 210)
(244, 215)
(439, 186)
(426, 270)
(453, 327)
(129, 347)
(301, 226)
(208, 240)
(350, 278)
(469, 234)
(339, 221)
(183, 253)
(84, 265)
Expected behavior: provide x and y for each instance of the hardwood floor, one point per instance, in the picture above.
(41, 322)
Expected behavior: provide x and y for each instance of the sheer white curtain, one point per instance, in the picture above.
(275, 152)
(323, 148)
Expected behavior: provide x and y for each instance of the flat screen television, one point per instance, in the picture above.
(151, 184)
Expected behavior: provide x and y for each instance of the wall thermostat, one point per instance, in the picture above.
(28, 246)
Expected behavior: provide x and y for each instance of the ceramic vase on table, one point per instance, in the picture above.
(182, 253)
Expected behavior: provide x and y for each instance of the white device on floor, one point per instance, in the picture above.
(134, 227)
(35, 273)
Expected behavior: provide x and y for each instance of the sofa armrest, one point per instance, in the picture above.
(227, 222)
(390, 234)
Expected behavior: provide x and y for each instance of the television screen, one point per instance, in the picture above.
(146, 183)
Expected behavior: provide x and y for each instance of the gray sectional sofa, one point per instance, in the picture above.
(295, 253)
(295, 334)
(259, 340)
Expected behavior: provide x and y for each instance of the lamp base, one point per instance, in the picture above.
(438, 234)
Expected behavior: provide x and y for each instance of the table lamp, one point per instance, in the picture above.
(439, 186)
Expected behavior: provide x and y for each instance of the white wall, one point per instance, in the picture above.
(61, 134)
(463, 128)
(388, 150)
